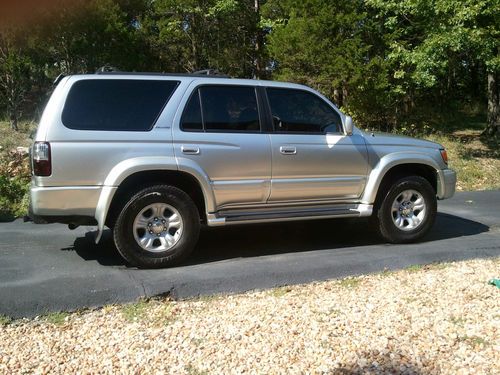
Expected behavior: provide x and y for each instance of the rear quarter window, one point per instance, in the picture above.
(115, 104)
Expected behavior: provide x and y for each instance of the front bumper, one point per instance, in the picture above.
(446, 183)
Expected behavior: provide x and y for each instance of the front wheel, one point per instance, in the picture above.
(158, 227)
(408, 210)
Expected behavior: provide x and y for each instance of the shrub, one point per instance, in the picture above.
(14, 197)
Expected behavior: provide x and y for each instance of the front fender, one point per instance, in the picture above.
(389, 161)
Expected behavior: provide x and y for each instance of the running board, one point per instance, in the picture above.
(288, 214)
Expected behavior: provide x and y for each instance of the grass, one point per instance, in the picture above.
(386, 273)
(191, 370)
(4, 320)
(135, 311)
(350, 282)
(56, 318)
(475, 159)
(458, 321)
(10, 139)
(280, 291)
(414, 268)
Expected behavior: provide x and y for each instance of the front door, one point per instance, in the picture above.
(312, 158)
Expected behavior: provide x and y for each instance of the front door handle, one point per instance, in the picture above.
(288, 150)
(190, 150)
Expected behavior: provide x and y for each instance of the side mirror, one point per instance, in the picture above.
(348, 125)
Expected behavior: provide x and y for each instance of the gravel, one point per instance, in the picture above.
(437, 319)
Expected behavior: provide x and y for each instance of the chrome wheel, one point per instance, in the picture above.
(158, 227)
(408, 210)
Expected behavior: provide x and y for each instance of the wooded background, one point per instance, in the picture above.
(395, 65)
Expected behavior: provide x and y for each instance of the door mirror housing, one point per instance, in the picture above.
(348, 125)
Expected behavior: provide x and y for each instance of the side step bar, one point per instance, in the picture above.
(259, 216)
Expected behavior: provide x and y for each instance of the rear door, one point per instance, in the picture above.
(220, 130)
(312, 158)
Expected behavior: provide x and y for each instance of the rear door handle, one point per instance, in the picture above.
(288, 150)
(190, 150)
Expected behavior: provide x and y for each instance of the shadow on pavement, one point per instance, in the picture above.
(216, 244)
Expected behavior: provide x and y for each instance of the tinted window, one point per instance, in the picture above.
(191, 118)
(227, 108)
(301, 111)
(112, 104)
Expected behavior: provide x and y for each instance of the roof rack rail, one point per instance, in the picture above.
(106, 69)
(58, 79)
(208, 72)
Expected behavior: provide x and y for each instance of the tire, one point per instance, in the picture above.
(165, 220)
(401, 218)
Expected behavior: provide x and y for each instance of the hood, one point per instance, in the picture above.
(387, 139)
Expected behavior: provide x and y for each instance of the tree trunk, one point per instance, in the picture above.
(337, 97)
(13, 122)
(345, 94)
(493, 122)
(259, 41)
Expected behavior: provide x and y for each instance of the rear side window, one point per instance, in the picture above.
(191, 118)
(299, 111)
(223, 109)
(115, 104)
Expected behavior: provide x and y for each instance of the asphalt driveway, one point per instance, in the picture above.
(47, 268)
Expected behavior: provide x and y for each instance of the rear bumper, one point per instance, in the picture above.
(76, 201)
(447, 181)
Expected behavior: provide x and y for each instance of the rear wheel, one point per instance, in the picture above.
(408, 210)
(158, 227)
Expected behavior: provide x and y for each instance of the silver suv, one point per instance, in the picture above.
(155, 156)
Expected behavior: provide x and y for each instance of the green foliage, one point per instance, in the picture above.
(4, 320)
(56, 318)
(14, 197)
(350, 282)
(193, 35)
(14, 172)
(134, 311)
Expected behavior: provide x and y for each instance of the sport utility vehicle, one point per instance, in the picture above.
(155, 156)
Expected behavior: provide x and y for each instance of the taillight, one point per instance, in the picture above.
(42, 165)
(444, 155)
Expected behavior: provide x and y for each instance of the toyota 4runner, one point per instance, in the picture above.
(155, 156)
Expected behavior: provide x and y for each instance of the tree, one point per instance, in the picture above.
(332, 47)
(436, 44)
(82, 36)
(190, 35)
(15, 83)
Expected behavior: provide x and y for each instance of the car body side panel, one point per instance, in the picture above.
(324, 166)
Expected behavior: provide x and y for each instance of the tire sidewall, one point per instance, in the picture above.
(387, 227)
(124, 228)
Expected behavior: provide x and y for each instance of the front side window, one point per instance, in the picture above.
(116, 104)
(222, 108)
(299, 111)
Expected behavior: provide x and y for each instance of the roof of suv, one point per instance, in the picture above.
(212, 78)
